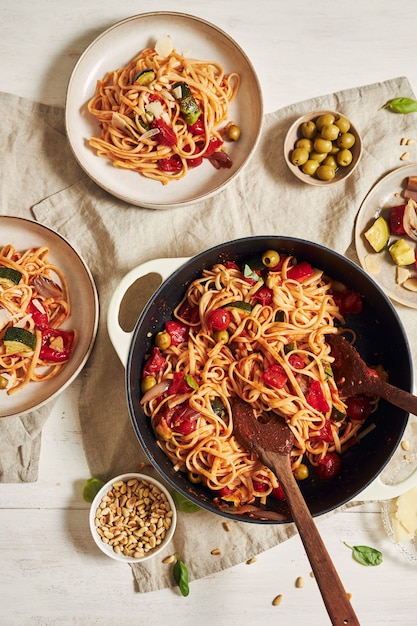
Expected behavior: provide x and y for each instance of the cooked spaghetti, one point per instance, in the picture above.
(160, 115)
(270, 350)
(34, 305)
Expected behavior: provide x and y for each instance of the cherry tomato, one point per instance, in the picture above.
(329, 466)
(278, 493)
(348, 302)
(358, 408)
(219, 319)
(275, 376)
(170, 164)
(316, 398)
(296, 361)
(264, 296)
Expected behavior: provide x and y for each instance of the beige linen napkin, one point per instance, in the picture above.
(114, 237)
(34, 163)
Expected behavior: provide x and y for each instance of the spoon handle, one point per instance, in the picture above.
(334, 596)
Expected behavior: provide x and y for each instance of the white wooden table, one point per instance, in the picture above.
(50, 571)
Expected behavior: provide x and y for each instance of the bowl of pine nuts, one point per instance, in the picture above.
(132, 518)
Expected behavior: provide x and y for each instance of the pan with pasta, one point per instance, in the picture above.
(224, 325)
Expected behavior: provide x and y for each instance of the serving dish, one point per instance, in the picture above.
(381, 338)
(386, 193)
(134, 486)
(114, 48)
(24, 234)
(294, 134)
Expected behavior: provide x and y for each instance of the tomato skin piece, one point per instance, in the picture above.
(296, 362)
(170, 164)
(358, 408)
(329, 466)
(213, 145)
(197, 128)
(300, 271)
(155, 363)
(325, 433)
(396, 220)
(349, 302)
(166, 136)
(219, 319)
(278, 493)
(264, 296)
(316, 398)
(177, 331)
(275, 376)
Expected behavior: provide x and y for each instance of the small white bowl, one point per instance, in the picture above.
(114, 548)
(294, 133)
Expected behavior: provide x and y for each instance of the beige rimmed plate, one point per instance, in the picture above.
(24, 234)
(384, 195)
(114, 48)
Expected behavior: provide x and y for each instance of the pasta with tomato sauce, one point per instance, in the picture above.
(257, 333)
(34, 305)
(160, 115)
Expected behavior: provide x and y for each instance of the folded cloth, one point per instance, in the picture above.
(266, 198)
(35, 162)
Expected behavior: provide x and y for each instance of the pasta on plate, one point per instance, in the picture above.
(160, 115)
(34, 305)
(259, 333)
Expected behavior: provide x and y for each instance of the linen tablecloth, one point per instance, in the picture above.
(39, 174)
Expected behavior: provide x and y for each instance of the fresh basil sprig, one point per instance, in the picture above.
(180, 573)
(401, 105)
(365, 555)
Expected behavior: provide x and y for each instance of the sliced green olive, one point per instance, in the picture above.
(301, 472)
(233, 132)
(270, 258)
(221, 336)
(147, 383)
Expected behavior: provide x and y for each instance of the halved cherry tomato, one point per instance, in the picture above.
(329, 466)
(264, 296)
(358, 408)
(275, 376)
(296, 361)
(156, 363)
(348, 302)
(197, 128)
(177, 331)
(219, 319)
(300, 271)
(316, 398)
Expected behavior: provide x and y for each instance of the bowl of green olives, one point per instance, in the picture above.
(322, 148)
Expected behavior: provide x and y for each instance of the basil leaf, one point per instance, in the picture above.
(248, 272)
(401, 105)
(184, 504)
(91, 488)
(191, 382)
(365, 555)
(180, 573)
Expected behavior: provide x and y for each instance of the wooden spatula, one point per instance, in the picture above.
(353, 376)
(272, 442)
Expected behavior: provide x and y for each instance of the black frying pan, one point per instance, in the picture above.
(380, 339)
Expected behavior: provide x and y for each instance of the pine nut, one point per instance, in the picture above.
(299, 582)
(216, 552)
(405, 445)
(277, 600)
(251, 560)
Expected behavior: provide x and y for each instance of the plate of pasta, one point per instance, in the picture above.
(48, 315)
(157, 110)
(249, 319)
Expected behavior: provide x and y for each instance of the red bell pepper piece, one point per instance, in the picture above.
(316, 398)
(177, 331)
(300, 271)
(39, 317)
(50, 353)
(275, 376)
(166, 135)
(156, 363)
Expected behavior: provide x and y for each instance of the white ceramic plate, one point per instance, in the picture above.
(115, 48)
(384, 195)
(24, 234)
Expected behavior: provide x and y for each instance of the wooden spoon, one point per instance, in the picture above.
(272, 442)
(354, 377)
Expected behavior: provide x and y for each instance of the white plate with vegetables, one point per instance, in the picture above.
(192, 38)
(385, 237)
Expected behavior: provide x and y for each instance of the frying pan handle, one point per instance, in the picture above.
(378, 490)
(121, 339)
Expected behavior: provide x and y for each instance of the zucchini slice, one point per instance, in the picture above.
(246, 307)
(378, 234)
(9, 276)
(402, 253)
(19, 340)
(145, 77)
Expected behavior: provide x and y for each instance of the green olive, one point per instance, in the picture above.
(331, 161)
(305, 143)
(309, 130)
(346, 140)
(233, 132)
(299, 156)
(221, 336)
(330, 132)
(309, 168)
(335, 149)
(324, 120)
(325, 172)
(344, 157)
(3, 382)
(270, 258)
(322, 145)
(318, 156)
(343, 124)
(301, 472)
(163, 340)
(147, 383)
